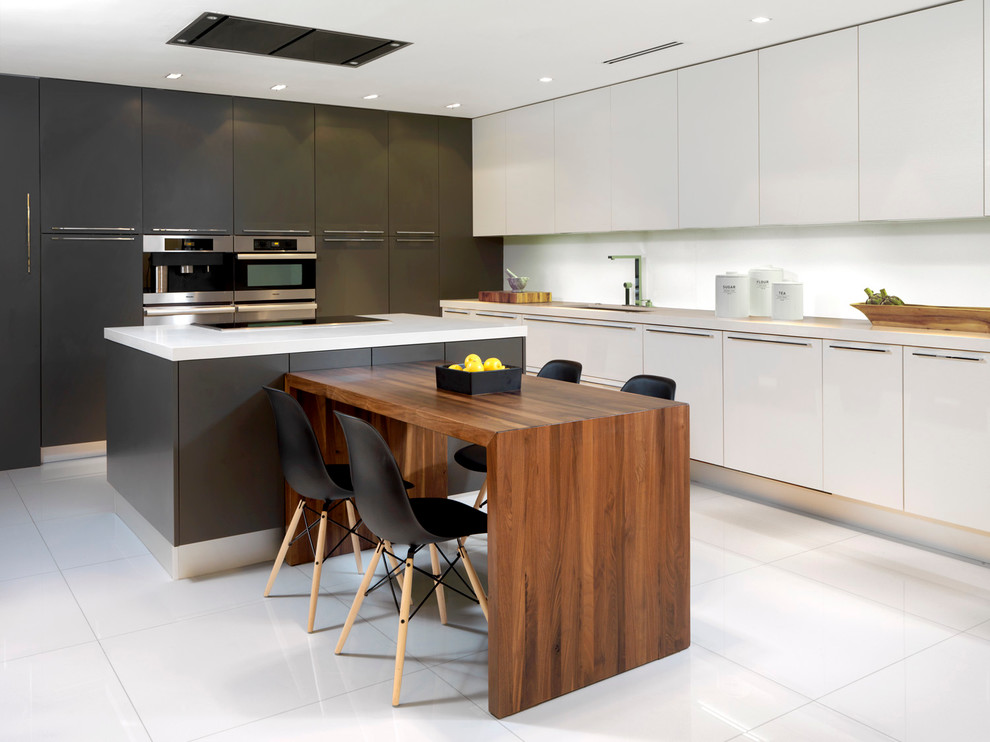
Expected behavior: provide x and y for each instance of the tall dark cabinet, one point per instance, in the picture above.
(90, 158)
(90, 282)
(413, 214)
(188, 162)
(273, 167)
(352, 189)
(20, 275)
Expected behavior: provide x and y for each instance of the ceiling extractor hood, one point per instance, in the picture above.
(249, 36)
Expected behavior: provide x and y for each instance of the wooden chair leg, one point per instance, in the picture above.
(284, 548)
(475, 582)
(482, 494)
(359, 598)
(321, 545)
(441, 599)
(355, 541)
(400, 650)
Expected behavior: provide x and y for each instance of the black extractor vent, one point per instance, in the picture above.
(641, 52)
(233, 34)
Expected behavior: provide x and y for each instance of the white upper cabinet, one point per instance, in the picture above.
(718, 121)
(488, 174)
(581, 162)
(921, 114)
(809, 140)
(986, 107)
(644, 153)
(529, 170)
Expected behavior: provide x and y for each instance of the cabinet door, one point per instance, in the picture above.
(90, 157)
(488, 174)
(582, 193)
(773, 407)
(413, 174)
(89, 283)
(644, 153)
(610, 352)
(809, 130)
(921, 114)
(273, 167)
(693, 359)
(188, 173)
(20, 372)
(414, 274)
(351, 210)
(718, 121)
(863, 426)
(529, 171)
(947, 435)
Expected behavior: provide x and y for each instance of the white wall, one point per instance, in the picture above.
(938, 262)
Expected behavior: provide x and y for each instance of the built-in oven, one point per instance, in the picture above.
(274, 278)
(188, 278)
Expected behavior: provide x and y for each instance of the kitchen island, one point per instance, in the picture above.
(191, 445)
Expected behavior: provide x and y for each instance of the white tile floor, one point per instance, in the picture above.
(802, 631)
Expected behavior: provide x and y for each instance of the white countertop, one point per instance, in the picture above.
(826, 328)
(187, 343)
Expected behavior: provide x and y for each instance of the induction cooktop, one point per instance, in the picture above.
(343, 319)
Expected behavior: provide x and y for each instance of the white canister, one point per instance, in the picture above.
(788, 300)
(760, 289)
(732, 295)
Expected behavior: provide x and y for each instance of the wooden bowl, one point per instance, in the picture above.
(927, 317)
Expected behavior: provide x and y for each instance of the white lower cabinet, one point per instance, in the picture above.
(693, 359)
(947, 435)
(609, 352)
(772, 406)
(863, 428)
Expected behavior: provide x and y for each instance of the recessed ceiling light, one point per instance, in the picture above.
(278, 87)
(173, 76)
(371, 97)
(453, 105)
(761, 19)
(546, 79)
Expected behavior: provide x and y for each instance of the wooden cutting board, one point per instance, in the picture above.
(515, 297)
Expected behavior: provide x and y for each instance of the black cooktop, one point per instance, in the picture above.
(343, 319)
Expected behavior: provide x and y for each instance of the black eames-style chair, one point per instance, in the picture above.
(650, 386)
(394, 517)
(305, 471)
(473, 457)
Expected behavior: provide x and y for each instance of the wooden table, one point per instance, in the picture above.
(588, 540)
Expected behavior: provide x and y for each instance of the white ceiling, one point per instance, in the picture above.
(486, 55)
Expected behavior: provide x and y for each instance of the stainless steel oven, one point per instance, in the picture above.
(274, 278)
(188, 278)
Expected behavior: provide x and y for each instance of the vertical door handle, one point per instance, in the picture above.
(29, 233)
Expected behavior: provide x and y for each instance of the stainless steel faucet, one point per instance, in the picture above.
(638, 278)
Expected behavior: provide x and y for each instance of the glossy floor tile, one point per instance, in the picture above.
(803, 631)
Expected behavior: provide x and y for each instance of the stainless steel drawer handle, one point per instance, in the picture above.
(772, 342)
(491, 314)
(286, 257)
(678, 332)
(580, 324)
(400, 232)
(354, 239)
(456, 311)
(287, 306)
(415, 239)
(354, 231)
(93, 229)
(276, 231)
(171, 311)
(949, 358)
(29, 231)
(80, 238)
(861, 350)
(189, 230)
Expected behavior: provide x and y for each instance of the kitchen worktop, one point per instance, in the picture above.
(186, 343)
(826, 328)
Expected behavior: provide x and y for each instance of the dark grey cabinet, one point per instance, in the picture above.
(188, 162)
(89, 283)
(273, 167)
(20, 411)
(413, 214)
(352, 189)
(468, 264)
(90, 158)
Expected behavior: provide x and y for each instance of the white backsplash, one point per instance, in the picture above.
(939, 262)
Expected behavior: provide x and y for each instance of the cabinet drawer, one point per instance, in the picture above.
(609, 352)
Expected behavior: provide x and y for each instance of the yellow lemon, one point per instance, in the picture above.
(473, 358)
(474, 366)
(455, 367)
(493, 364)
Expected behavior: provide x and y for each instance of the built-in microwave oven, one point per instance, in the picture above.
(270, 270)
